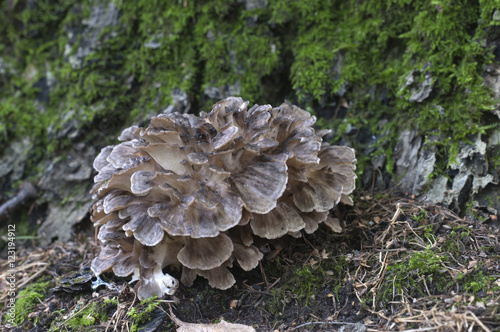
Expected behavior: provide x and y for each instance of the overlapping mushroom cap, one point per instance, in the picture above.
(191, 192)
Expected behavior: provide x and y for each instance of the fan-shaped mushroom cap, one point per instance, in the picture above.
(206, 253)
(334, 224)
(126, 266)
(188, 276)
(245, 235)
(146, 230)
(101, 161)
(261, 184)
(248, 257)
(339, 160)
(321, 193)
(220, 277)
(193, 191)
(312, 219)
(112, 234)
(281, 220)
(116, 201)
(107, 258)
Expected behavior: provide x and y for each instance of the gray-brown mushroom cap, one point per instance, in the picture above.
(248, 257)
(278, 222)
(206, 253)
(261, 184)
(193, 192)
(219, 277)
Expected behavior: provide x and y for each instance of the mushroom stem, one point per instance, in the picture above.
(167, 283)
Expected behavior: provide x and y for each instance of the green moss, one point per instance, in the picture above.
(113, 300)
(274, 268)
(418, 274)
(368, 48)
(339, 266)
(28, 298)
(421, 216)
(308, 52)
(301, 288)
(141, 314)
(475, 282)
(89, 316)
(305, 283)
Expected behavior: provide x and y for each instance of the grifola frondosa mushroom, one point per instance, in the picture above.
(192, 192)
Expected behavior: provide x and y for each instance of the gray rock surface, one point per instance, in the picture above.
(65, 185)
(492, 80)
(223, 91)
(471, 174)
(13, 162)
(420, 90)
(103, 15)
(180, 102)
(414, 162)
(466, 183)
(254, 4)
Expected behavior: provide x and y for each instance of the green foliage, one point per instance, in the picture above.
(308, 52)
(141, 313)
(112, 301)
(415, 273)
(475, 281)
(454, 242)
(305, 283)
(298, 284)
(89, 316)
(28, 298)
(369, 48)
(421, 216)
(427, 262)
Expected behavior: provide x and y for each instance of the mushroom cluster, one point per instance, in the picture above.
(192, 192)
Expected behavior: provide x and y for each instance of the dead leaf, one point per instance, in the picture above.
(480, 304)
(223, 326)
(324, 254)
(234, 303)
(471, 265)
(368, 321)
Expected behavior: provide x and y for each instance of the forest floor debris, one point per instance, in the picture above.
(399, 265)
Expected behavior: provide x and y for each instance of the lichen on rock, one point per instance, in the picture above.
(192, 192)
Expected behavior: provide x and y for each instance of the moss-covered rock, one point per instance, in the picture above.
(77, 72)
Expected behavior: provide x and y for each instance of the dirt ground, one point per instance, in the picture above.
(398, 265)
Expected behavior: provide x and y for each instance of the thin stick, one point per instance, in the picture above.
(33, 276)
(475, 319)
